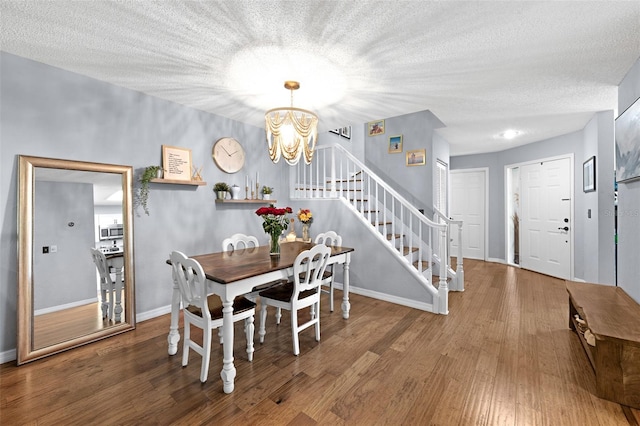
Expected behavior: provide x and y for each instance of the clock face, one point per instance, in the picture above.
(228, 155)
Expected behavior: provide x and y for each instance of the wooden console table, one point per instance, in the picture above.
(614, 319)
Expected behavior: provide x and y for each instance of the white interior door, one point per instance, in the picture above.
(468, 198)
(545, 228)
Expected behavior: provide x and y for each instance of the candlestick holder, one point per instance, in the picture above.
(246, 189)
(257, 190)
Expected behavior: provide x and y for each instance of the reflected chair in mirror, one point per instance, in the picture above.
(239, 241)
(110, 299)
(329, 238)
(302, 292)
(204, 311)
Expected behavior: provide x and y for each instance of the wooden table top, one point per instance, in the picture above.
(609, 311)
(227, 267)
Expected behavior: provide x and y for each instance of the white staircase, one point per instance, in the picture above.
(421, 244)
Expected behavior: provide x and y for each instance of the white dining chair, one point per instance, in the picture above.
(329, 238)
(242, 241)
(239, 241)
(302, 292)
(205, 311)
(107, 286)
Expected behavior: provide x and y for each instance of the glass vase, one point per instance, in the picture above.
(274, 244)
(305, 233)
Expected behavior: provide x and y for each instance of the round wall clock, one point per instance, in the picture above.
(228, 155)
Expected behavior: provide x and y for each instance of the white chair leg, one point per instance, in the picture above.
(263, 319)
(317, 321)
(312, 311)
(331, 295)
(249, 330)
(185, 342)
(294, 332)
(206, 355)
(278, 315)
(105, 304)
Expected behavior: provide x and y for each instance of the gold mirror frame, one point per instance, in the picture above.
(26, 202)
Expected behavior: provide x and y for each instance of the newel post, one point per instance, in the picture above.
(443, 288)
(459, 267)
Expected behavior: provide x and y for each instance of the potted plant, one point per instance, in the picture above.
(266, 192)
(221, 189)
(150, 172)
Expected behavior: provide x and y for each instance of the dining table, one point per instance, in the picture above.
(233, 273)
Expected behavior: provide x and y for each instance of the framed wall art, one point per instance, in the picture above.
(345, 132)
(628, 144)
(417, 157)
(376, 128)
(395, 144)
(176, 163)
(589, 175)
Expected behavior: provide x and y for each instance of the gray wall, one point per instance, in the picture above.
(414, 183)
(629, 202)
(593, 238)
(49, 112)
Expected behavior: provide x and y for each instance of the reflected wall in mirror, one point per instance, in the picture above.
(75, 254)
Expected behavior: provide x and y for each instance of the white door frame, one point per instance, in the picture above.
(486, 204)
(572, 216)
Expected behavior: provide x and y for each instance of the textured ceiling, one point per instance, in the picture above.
(481, 67)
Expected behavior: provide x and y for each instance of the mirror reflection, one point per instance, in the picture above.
(78, 285)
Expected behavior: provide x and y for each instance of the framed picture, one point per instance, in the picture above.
(589, 175)
(176, 163)
(345, 132)
(376, 128)
(395, 144)
(416, 157)
(628, 144)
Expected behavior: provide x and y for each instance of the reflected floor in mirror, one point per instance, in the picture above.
(63, 325)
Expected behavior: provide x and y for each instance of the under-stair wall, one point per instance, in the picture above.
(373, 271)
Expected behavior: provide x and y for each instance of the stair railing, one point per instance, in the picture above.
(335, 173)
(458, 275)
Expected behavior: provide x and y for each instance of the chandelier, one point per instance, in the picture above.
(291, 131)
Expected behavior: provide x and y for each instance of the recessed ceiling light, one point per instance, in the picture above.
(509, 134)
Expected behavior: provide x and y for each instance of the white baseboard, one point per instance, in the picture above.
(496, 260)
(65, 306)
(153, 313)
(387, 298)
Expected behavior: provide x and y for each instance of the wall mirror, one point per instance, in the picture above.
(73, 218)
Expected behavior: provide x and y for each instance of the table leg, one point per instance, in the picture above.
(228, 373)
(346, 306)
(174, 334)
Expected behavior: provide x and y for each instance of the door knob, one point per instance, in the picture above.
(566, 228)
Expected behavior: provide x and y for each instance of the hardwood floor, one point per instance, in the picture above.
(503, 356)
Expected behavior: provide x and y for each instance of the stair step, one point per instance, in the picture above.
(346, 180)
(370, 211)
(406, 250)
(393, 236)
(425, 264)
(381, 223)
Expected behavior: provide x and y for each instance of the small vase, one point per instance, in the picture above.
(235, 192)
(266, 196)
(305, 233)
(274, 244)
